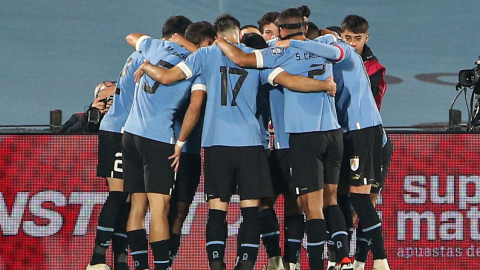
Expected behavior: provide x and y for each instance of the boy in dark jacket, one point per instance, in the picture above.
(355, 32)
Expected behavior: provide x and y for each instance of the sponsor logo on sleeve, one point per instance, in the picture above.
(277, 51)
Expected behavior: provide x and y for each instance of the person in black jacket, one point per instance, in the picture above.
(89, 121)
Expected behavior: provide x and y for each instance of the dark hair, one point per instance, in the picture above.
(312, 32)
(355, 23)
(224, 23)
(175, 24)
(200, 31)
(270, 17)
(305, 11)
(336, 29)
(290, 18)
(254, 40)
(249, 26)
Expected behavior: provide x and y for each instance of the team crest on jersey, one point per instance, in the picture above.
(354, 163)
(277, 50)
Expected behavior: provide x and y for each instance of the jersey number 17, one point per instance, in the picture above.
(234, 71)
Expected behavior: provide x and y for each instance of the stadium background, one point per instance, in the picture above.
(54, 52)
(50, 199)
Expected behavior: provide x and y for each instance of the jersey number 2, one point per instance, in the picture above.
(236, 71)
(316, 72)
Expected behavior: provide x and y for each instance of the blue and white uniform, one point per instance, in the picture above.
(357, 112)
(111, 126)
(231, 98)
(154, 105)
(356, 107)
(232, 137)
(310, 119)
(149, 136)
(304, 112)
(117, 115)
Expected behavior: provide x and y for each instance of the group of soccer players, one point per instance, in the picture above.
(179, 94)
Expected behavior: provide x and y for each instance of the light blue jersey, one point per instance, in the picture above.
(326, 39)
(354, 101)
(304, 112)
(271, 42)
(231, 98)
(115, 119)
(277, 104)
(155, 104)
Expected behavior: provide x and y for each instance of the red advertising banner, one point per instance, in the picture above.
(50, 199)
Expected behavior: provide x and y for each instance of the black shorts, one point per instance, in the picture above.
(243, 168)
(387, 152)
(279, 162)
(109, 154)
(315, 158)
(188, 178)
(362, 156)
(146, 167)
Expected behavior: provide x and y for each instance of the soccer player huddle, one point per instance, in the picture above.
(220, 87)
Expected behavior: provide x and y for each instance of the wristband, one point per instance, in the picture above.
(180, 143)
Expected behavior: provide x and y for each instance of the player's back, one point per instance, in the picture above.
(355, 104)
(304, 112)
(115, 119)
(231, 99)
(154, 104)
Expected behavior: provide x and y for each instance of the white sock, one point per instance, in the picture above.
(290, 266)
(357, 265)
(276, 262)
(380, 264)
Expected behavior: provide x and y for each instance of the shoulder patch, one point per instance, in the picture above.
(277, 50)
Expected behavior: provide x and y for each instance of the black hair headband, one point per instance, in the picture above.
(291, 25)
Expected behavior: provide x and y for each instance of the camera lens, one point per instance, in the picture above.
(467, 77)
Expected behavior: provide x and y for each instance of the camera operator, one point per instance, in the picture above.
(89, 121)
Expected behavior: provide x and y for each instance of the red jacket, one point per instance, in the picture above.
(376, 72)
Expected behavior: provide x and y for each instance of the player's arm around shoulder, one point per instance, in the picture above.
(181, 41)
(162, 75)
(304, 84)
(236, 55)
(189, 121)
(332, 52)
(134, 39)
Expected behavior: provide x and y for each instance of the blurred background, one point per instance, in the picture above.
(54, 52)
